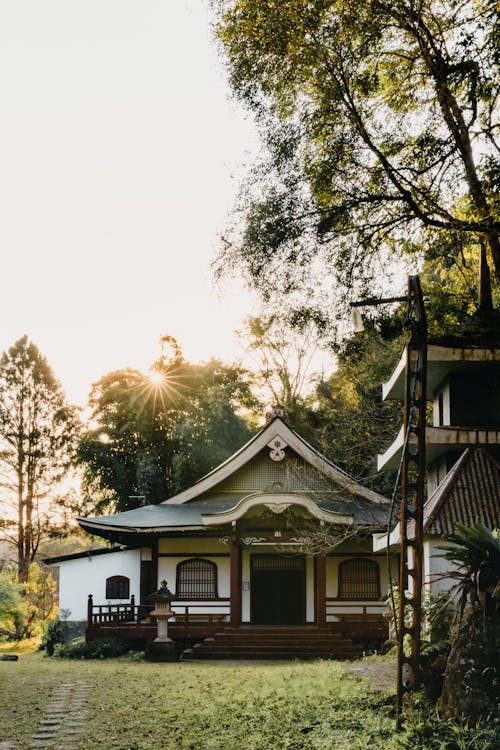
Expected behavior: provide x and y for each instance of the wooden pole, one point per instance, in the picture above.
(235, 584)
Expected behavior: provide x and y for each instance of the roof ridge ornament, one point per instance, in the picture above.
(276, 411)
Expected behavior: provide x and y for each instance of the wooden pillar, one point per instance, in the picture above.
(90, 605)
(235, 584)
(320, 589)
(154, 565)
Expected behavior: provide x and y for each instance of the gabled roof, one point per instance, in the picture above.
(209, 503)
(274, 432)
(470, 491)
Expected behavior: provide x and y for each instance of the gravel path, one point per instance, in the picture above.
(382, 674)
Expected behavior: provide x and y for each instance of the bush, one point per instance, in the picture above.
(101, 648)
(424, 730)
(56, 634)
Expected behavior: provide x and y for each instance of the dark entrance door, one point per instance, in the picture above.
(278, 590)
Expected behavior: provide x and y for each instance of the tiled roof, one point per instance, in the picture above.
(161, 517)
(470, 491)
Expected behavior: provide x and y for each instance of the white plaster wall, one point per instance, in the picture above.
(87, 575)
(445, 390)
(434, 567)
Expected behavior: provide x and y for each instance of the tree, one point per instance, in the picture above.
(379, 117)
(38, 432)
(282, 355)
(157, 433)
(351, 422)
(471, 677)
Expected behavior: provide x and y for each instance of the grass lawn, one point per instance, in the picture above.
(205, 706)
(133, 705)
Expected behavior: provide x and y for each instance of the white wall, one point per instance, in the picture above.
(434, 567)
(87, 575)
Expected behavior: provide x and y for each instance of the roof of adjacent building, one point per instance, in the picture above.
(470, 491)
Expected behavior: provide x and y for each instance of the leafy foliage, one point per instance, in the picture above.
(472, 678)
(11, 615)
(38, 431)
(29, 605)
(351, 423)
(476, 552)
(100, 648)
(379, 123)
(154, 437)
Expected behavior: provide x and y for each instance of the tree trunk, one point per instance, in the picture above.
(472, 676)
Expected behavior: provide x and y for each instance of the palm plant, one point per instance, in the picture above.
(472, 677)
(475, 550)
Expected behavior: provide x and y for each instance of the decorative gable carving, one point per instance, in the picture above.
(277, 446)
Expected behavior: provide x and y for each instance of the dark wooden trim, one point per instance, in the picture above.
(382, 554)
(189, 555)
(320, 589)
(235, 584)
(154, 565)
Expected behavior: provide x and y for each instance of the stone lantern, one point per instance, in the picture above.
(163, 647)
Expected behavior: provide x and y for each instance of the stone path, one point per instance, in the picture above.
(64, 719)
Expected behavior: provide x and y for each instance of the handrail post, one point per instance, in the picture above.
(90, 605)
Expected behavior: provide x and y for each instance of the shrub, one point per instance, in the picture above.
(101, 648)
(54, 635)
(424, 730)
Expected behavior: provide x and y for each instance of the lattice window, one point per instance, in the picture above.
(277, 562)
(196, 579)
(117, 587)
(359, 579)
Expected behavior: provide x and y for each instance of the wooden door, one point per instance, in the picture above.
(278, 590)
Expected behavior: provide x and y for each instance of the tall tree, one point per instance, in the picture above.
(380, 118)
(283, 358)
(38, 431)
(156, 433)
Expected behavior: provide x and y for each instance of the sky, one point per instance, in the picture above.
(121, 152)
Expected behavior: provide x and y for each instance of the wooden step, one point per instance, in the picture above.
(274, 643)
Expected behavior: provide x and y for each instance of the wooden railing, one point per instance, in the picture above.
(362, 609)
(129, 612)
(186, 614)
(114, 614)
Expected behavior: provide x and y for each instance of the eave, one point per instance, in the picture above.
(438, 440)
(441, 361)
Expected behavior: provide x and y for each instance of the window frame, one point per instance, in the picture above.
(190, 596)
(370, 564)
(118, 581)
